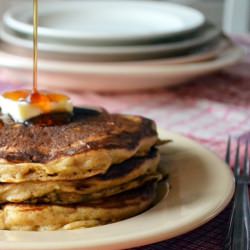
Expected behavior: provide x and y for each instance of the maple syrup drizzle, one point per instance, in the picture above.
(42, 100)
(35, 46)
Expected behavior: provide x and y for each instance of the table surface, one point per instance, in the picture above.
(207, 110)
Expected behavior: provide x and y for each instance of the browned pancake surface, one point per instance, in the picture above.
(87, 131)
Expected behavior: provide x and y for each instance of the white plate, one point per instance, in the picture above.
(110, 53)
(112, 76)
(201, 186)
(106, 21)
(204, 53)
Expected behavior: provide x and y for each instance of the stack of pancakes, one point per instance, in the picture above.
(95, 169)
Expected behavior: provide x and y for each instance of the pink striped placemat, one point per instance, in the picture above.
(207, 110)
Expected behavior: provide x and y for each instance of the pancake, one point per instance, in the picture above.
(86, 146)
(54, 217)
(62, 198)
(119, 178)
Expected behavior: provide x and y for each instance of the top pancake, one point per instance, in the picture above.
(87, 131)
(87, 145)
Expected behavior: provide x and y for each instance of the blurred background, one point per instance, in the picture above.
(193, 79)
(227, 14)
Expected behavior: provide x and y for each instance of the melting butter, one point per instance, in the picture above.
(22, 108)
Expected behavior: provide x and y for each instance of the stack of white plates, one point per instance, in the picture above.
(114, 45)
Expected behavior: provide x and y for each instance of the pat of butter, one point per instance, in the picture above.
(21, 111)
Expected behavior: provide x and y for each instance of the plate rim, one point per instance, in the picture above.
(141, 241)
(25, 28)
(208, 34)
(227, 58)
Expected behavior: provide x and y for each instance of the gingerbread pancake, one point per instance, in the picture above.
(39, 217)
(130, 174)
(85, 146)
